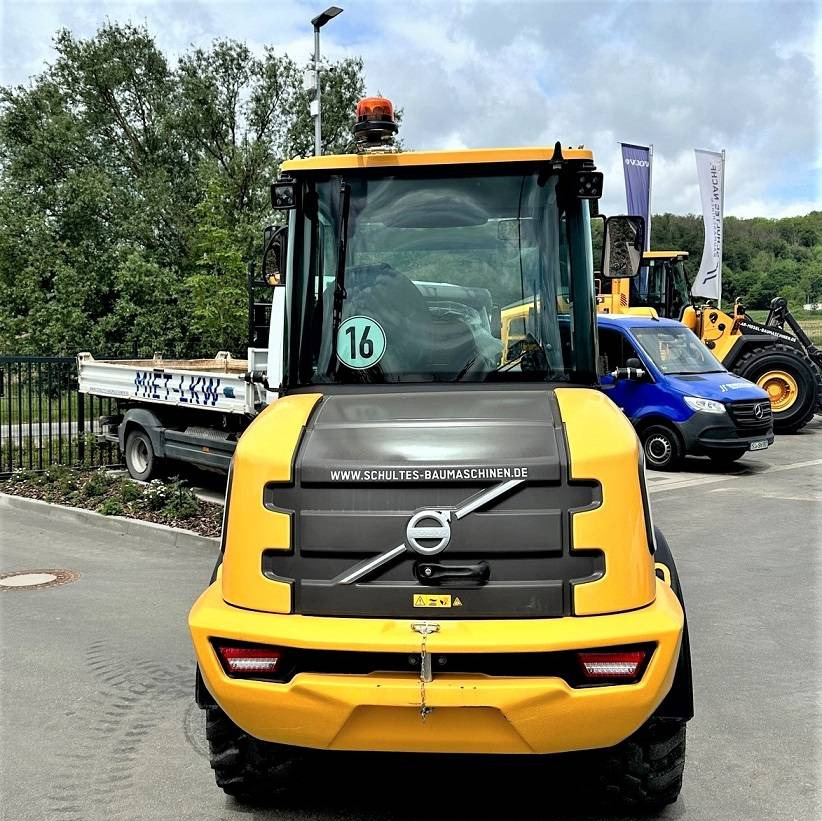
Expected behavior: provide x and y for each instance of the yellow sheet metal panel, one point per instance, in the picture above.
(665, 254)
(472, 713)
(265, 453)
(723, 338)
(410, 158)
(603, 446)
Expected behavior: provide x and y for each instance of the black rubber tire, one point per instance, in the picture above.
(652, 438)
(250, 770)
(142, 462)
(727, 457)
(643, 774)
(757, 361)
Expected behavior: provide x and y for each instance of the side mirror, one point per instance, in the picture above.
(633, 370)
(284, 194)
(275, 243)
(622, 247)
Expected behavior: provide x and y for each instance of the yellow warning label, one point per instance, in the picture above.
(457, 602)
(433, 601)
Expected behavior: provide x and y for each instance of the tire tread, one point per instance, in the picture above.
(644, 772)
(245, 768)
(749, 366)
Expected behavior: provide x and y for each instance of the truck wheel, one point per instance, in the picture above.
(662, 448)
(727, 457)
(644, 772)
(788, 378)
(141, 461)
(245, 768)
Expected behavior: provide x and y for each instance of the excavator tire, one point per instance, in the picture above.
(643, 774)
(251, 771)
(791, 380)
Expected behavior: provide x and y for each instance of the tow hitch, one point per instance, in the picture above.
(425, 629)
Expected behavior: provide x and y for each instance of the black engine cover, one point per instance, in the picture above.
(369, 462)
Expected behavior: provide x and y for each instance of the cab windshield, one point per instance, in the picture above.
(676, 351)
(406, 278)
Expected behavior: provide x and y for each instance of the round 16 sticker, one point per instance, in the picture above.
(360, 342)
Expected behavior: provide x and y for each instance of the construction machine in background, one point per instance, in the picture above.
(788, 366)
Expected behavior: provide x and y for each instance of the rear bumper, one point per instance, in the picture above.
(472, 713)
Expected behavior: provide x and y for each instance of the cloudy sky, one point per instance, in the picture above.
(740, 75)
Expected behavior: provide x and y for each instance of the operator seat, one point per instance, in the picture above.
(391, 298)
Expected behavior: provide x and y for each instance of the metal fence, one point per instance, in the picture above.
(45, 420)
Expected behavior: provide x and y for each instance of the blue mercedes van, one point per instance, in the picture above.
(677, 395)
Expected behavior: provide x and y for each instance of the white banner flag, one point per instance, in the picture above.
(710, 168)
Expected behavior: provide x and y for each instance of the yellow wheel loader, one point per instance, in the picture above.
(788, 366)
(432, 544)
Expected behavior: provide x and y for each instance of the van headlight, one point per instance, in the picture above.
(697, 403)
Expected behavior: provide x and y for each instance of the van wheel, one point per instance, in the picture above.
(727, 457)
(142, 462)
(644, 772)
(662, 448)
(250, 770)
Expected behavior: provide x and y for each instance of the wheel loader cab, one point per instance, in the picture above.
(438, 538)
(662, 288)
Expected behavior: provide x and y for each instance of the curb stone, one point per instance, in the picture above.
(160, 534)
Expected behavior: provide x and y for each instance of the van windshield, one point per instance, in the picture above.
(431, 262)
(676, 350)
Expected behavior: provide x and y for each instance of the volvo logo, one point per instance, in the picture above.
(429, 531)
(759, 411)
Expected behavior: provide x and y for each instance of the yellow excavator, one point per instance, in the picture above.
(786, 365)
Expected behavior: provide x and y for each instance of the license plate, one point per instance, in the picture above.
(760, 445)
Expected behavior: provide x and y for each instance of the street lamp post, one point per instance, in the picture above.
(316, 109)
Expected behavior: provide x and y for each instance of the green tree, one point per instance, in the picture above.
(762, 258)
(133, 192)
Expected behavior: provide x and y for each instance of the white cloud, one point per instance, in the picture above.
(744, 76)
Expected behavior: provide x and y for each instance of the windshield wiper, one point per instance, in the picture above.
(339, 276)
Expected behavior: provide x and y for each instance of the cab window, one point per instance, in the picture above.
(615, 349)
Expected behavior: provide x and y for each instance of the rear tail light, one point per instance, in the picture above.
(250, 662)
(617, 666)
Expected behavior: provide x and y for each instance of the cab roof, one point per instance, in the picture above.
(333, 162)
(635, 321)
(665, 254)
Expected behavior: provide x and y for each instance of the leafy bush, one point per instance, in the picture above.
(130, 492)
(110, 507)
(54, 475)
(22, 476)
(155, 496)
(97, 484)
(182, 503)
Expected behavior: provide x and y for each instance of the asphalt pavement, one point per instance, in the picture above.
(97, 719)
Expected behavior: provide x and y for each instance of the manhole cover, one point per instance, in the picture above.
(35, 579)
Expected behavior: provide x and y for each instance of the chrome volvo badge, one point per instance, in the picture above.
(429, 531)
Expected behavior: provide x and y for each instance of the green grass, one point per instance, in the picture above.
(36, 454)
(39, 406)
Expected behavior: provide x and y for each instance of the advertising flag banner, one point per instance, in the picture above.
(710, 169)
(636, 163)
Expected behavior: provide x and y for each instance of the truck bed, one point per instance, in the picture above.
(216, 384)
